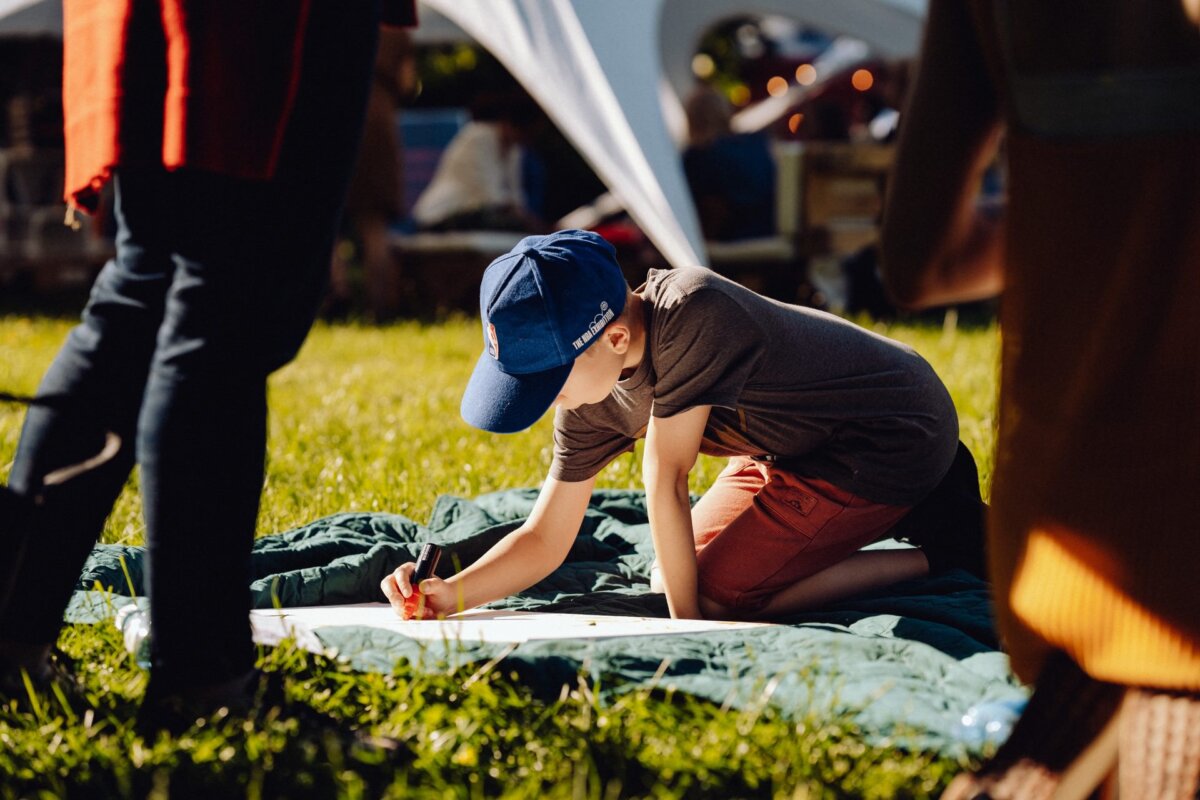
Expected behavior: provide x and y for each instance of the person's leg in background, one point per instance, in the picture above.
(1077, 731)
(97, 381)
(1160, 744)
(1048, 739)
(251, 266)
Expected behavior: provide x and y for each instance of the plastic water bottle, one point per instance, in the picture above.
(134, 624)
(989, 722)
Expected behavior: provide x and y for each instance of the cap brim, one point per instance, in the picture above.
(502, 403)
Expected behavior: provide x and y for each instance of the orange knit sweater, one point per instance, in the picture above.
(1095, 534)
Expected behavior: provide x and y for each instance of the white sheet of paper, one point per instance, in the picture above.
(478, 625)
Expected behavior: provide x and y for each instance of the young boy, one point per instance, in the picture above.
(833, 433)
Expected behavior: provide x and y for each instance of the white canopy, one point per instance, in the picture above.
(571, 60)
(610, 74)
(30, 17)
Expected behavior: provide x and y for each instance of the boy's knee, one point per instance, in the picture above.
(712, 609)
(656, 580)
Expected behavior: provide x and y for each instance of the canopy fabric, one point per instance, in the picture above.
(610, 74)
(600, 86)
(30, 17)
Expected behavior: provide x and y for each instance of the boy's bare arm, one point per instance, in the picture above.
(672, 444)
(516, 562)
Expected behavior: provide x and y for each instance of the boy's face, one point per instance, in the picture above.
(597, 371)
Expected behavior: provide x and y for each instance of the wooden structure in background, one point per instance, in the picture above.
(829, 196)
(37, 248)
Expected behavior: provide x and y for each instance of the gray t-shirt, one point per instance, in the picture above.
(819, 395)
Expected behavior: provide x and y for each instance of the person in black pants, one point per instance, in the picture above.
(214, 285)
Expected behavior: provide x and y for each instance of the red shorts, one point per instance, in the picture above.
(760, 529)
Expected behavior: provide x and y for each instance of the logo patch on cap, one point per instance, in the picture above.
(598, 322)
(493, 345)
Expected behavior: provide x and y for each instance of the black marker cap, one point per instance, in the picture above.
(426, 563)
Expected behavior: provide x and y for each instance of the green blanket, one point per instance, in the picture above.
(908, 661)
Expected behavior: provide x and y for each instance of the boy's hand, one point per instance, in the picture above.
(519, 560)
(437, 597)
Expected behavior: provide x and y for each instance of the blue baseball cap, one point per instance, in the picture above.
(542, 304)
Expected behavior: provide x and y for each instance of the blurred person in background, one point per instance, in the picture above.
(488, 178)
(732, 176)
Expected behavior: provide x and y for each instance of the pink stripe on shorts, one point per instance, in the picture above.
(760, 529)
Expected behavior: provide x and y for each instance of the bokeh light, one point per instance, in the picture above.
(806, 74)
(862, 79)
(703, 66)
(777, 86)
(739, 95)
(794, 122)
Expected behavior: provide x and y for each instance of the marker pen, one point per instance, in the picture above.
(427, 562)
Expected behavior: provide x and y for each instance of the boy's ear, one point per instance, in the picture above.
(618, 336)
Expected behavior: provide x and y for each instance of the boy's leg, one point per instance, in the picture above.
(96, 381)
(948, 523)
(856, 574)
(790, 530)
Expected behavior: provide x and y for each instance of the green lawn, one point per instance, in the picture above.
(367, 419)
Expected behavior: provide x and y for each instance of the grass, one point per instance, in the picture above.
(366, 419)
